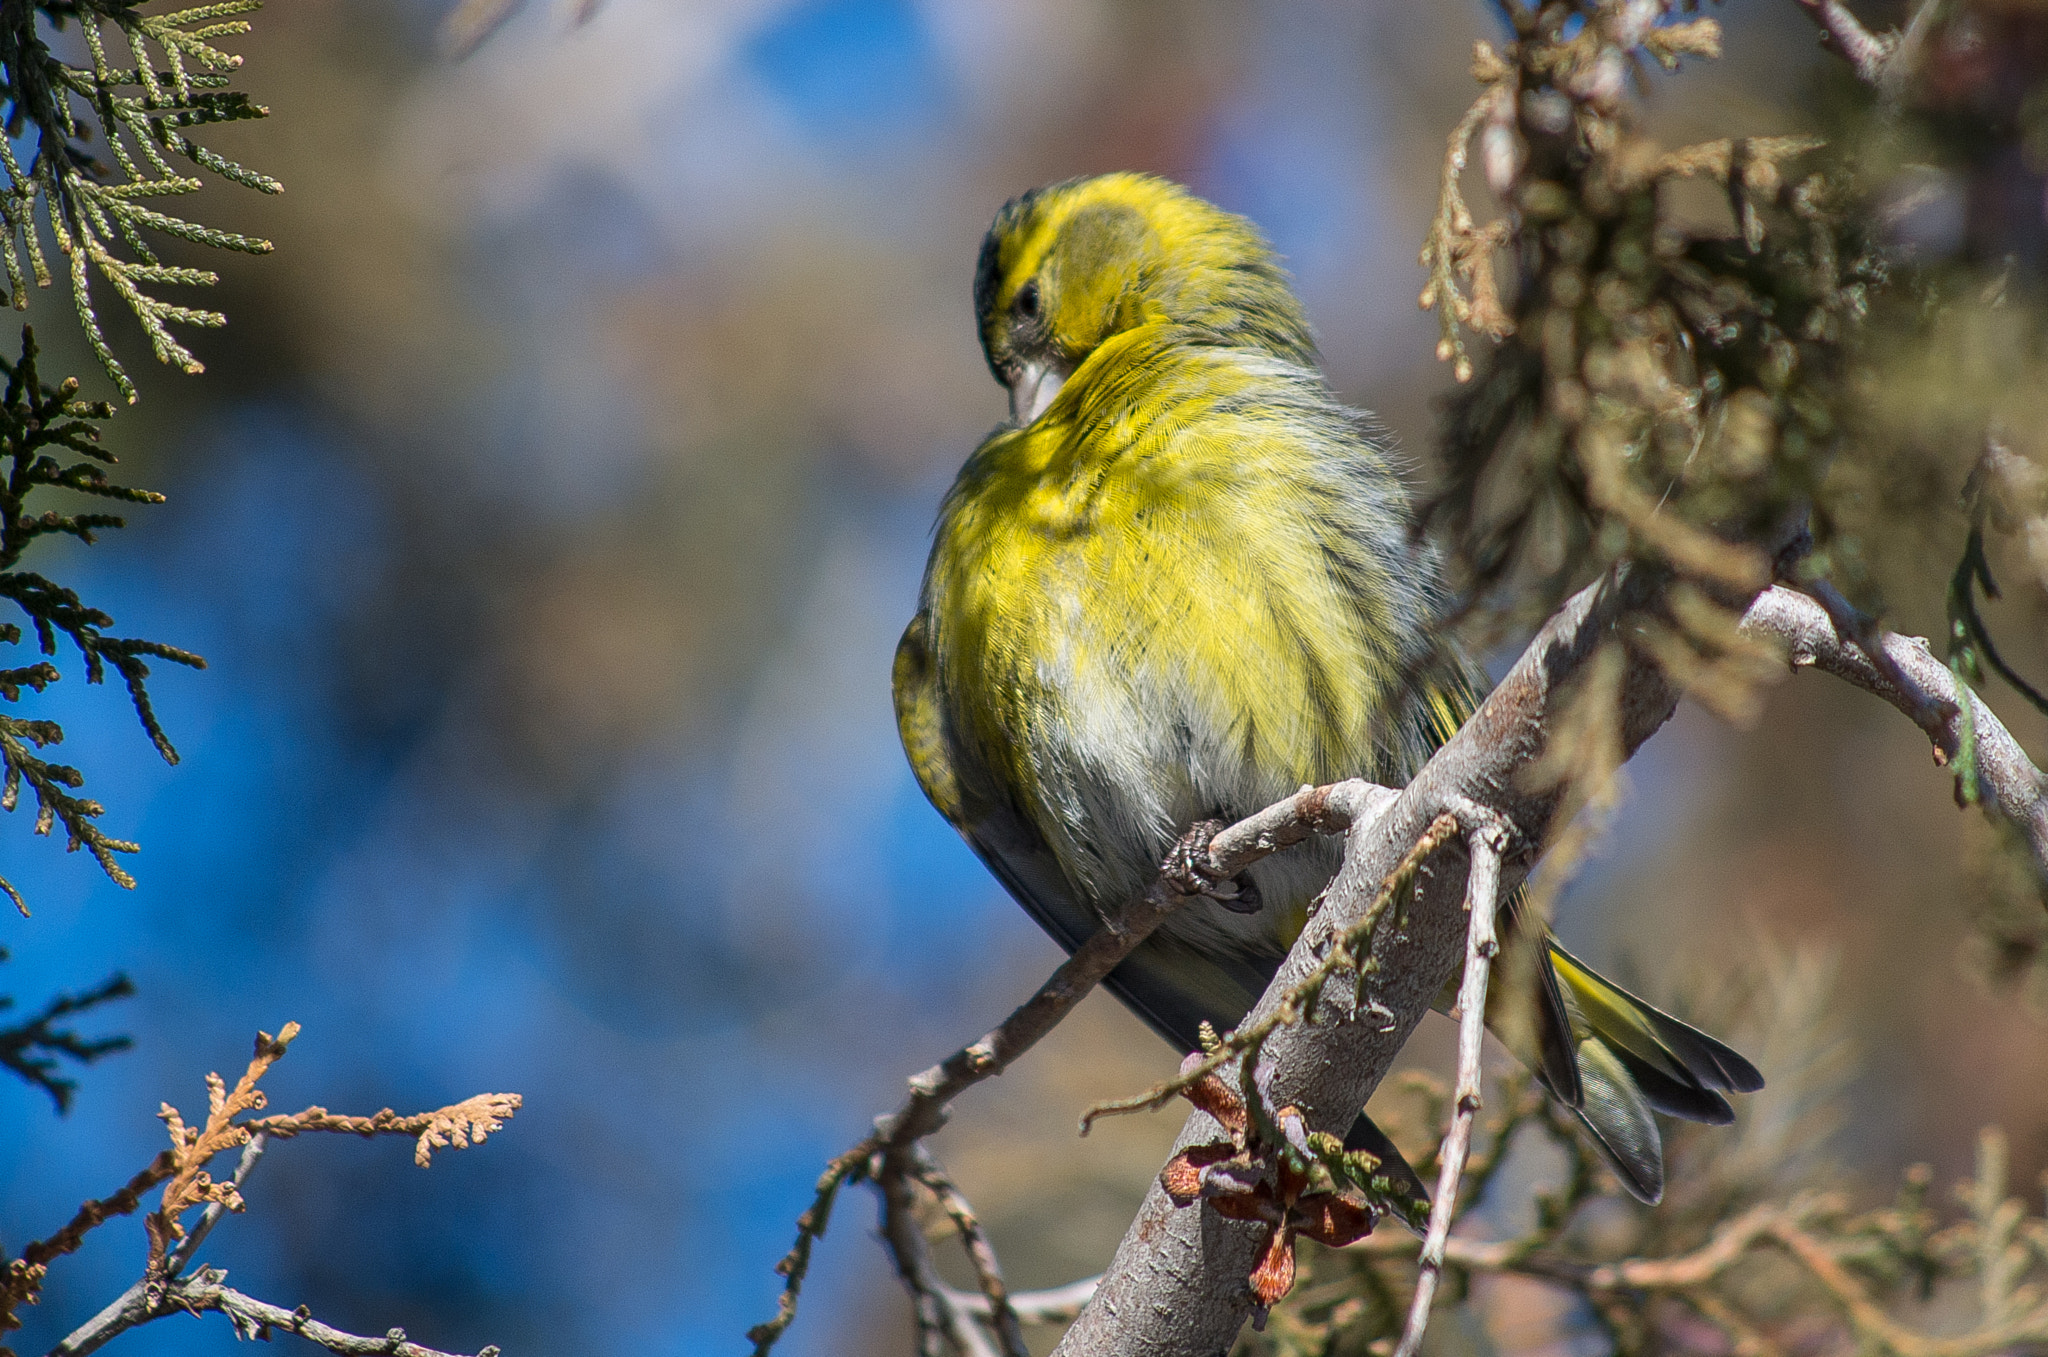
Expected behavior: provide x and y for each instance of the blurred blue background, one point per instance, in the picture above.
(548, 518)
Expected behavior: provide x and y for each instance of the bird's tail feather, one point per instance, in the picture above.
(1655, 1038)
(1617, 1115)
(1634, 1058)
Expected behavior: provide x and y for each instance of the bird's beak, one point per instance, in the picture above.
(1034, 389)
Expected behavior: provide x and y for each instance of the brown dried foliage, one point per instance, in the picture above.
(182, 1169)
(1658, 392)
(1327, 1197)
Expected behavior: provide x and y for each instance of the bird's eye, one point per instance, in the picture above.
(1027, 300)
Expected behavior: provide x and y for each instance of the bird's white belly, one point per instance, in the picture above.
(1134, 765)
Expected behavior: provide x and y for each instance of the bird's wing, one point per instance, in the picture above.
(1002, 838)
(1170, 985)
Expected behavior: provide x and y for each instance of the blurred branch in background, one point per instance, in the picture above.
(33, 1047)
(473, 21)
(2011, 492)
(166, 1288)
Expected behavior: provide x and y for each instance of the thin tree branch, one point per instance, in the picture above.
(31, 1048)
(1342, 956)
(207, 1290)
(937, 1324)
(131, 1307)
(96, 1213)
(988, 1272)
(252, 1153)
(2007, 779)
(1790, 1227)
(1865, 50)
(1729, 1243)
(1929, 713)
(1911, 41)
(1053, 1305)
(1313, 810)
(1884, 60)
(1486, 838)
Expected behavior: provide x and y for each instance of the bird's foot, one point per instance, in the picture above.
(1187, 871)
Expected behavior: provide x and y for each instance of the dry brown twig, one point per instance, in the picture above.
(192, 1148)
(453, 1127)
(1837, 1251)
(1456, 248)
(164, 1288)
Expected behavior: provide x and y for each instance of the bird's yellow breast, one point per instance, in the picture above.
(1171, 597)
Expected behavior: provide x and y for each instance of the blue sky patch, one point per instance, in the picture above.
(851, 67)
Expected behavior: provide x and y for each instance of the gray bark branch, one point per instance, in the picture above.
(1486, 838)
(2007, 779)
(207, 1290)
(131, 1307)
(1177, 1286)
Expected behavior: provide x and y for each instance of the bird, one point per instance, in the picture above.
(1175, 586)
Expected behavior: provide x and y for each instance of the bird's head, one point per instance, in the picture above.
(1067, 267)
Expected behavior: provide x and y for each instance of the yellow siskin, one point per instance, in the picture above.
(1177, 585)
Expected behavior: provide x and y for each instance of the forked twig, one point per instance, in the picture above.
(988, 1272)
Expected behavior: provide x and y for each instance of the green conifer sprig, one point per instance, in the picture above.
(97, 212)
(39, 425)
